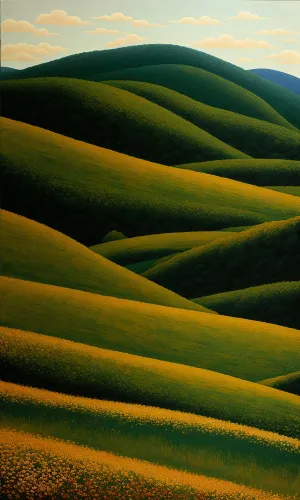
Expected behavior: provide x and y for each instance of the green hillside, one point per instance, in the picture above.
(254, 137)
(197, 339)
(289, 383)
(113, 118)
(259, 172)
(268, 253)
(154, 246)
(85, 65)
(293, 190)
(32, 251)
(276, 303)
(261, 459)
(85, 191)
(78, 369)
(113, 236)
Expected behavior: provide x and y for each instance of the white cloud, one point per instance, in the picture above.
(228, 42)
(13, 26)
(275, 32)
(201, 20)
(60, 18)
(116, 16)
(28, 52)
(247, 16)
(285, 57)
(131, 39)
(143, 23)
(102, 31)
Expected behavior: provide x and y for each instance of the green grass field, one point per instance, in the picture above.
(293, 190)
(256, 138)
(85, 191)
(184, 441)
(116, 119)
(267, 253)
(32, 251)
(275, 303)
(78, 369)
(197, 339)
(259, 172)
(288, 383)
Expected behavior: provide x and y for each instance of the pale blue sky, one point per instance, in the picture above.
(278, 49)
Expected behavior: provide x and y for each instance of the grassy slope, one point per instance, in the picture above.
(35, 252)
(255, 171)
(85, 191)
(112, 118)
(84, 65)
(69, 471)
(203, 340)
(254, 137)
(293, 190)
(276, 303)
(267, 253)
(79, 369)
(185, 441)
(154, 246)
(289, 383)
(113, 236)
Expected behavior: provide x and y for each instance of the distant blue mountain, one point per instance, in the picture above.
(289, 82)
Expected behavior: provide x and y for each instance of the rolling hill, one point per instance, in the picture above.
(289, 82)
(79, 369)
(32, 251)
(276, 303)
(85, 191)
(289, 383)
(262, 459)
(259, 172)
(267, 253)
(87, 65)
(115, 119)
(293, 190)
(197, 339)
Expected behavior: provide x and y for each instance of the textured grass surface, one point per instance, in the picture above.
(116, 119)
(185, 441)
(276, 303)
(288, 383)
(32, 251)
(257, 171)
(79, 369)
(198, 339)
(85, 191)
(293, 190)
(46, 467)
(256, 138)
(155, 246)
(267, 253)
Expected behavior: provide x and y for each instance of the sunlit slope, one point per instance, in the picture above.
(257, 138)
(199, 339)
(194, 443)
(259, 172)
(86, 65)
(268, 253)
(155, 246)
(276, 303)
(289, 383)
(79, 369)
(35, 252)
(293, 190)
(85, 191)
(59, 467)
(113, 118)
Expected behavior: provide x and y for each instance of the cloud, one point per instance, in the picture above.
(285, 57)
(29, 52)
(145, 24)
(131, 39)
(116, 16)
(275, 32)
(247, 16)
(291, 40)
(60, 18)
(102, 31)
(12, 26)
(245, 59)
(228, 42)
(201, 20)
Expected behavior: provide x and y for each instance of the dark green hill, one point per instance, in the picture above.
(259, 172)
(112, 118)
(84, 65)
(264, 254)
(288, 383)
(276, 303)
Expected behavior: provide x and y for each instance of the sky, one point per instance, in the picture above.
(248, 33)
